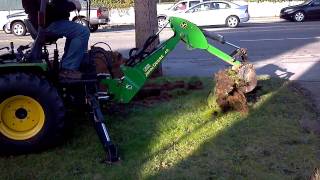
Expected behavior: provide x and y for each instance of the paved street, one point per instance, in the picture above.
(276, 48)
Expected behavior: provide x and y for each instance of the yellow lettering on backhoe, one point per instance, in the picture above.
(149, 69)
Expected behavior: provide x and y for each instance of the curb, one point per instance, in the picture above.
(265, 18)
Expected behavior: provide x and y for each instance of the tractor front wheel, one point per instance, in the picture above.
(31, 113)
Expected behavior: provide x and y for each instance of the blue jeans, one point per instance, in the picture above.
(76, 43)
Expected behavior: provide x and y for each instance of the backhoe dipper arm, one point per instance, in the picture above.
(134, 78)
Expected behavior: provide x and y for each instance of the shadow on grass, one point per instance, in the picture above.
(182, 139)
(267, 144)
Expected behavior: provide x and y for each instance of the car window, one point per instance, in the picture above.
(202, 7)
(192, 3)
(195, 8)
(306, 2)
(208, 6)
(316, 3)
(83, 3)
(180, 6)
(220, 5)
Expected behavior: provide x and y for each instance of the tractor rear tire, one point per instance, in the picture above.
(31, 114)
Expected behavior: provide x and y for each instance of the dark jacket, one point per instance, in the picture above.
(56, 10)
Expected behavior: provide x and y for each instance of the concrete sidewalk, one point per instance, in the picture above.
(265, 19)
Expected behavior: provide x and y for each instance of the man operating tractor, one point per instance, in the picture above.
(58, 24)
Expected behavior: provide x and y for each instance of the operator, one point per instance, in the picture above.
(58, 24)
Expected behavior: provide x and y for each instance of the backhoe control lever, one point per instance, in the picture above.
(12, 47)
(20, 54)
(240, 53)
(102, 131)
(214, 36)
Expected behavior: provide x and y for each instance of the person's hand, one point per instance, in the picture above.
(76, 3)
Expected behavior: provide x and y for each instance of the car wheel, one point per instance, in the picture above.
(7, 31)
(18, 28)
(162, 20)
(232, 21)
(81, 21)
(93, 28)
(299, 16)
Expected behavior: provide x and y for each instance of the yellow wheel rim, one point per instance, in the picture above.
(21, 117)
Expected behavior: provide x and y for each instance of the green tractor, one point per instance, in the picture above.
(33, 99)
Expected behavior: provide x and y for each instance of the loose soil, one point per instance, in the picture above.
(110, 61)
(228, 93)
(153, 93)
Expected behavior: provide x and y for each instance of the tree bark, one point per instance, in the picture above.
(146, 24)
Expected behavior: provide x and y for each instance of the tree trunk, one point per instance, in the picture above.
(146, 24)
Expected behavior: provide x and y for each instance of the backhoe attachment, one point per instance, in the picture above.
(195, 37)
(142, 62)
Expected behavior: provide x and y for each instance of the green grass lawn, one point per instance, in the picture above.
(182, 139)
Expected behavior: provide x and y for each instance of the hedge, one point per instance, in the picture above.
(129, 3)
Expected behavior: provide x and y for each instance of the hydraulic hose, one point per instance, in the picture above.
(214, 36)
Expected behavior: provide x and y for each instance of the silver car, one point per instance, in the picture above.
(216, 13)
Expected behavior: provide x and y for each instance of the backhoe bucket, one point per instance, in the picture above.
(247, 73)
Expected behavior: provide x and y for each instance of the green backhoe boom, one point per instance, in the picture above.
(123, 90)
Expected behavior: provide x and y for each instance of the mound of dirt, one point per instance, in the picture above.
(228, 93)
(153, 93)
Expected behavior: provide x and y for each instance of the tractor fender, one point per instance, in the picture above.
(36, 68)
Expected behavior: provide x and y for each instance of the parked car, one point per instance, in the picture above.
(8, 7)
(98, 16)
(309, 9)
(15, 24)
(176, 8)
(216, 13)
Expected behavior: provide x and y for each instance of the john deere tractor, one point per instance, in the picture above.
(33, 99)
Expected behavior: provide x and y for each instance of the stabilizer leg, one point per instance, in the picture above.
(102, 131)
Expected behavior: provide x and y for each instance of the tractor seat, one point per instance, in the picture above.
(49, 37)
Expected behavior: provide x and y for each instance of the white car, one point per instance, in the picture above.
(98, 16)
(178, 7)
(216, 13)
